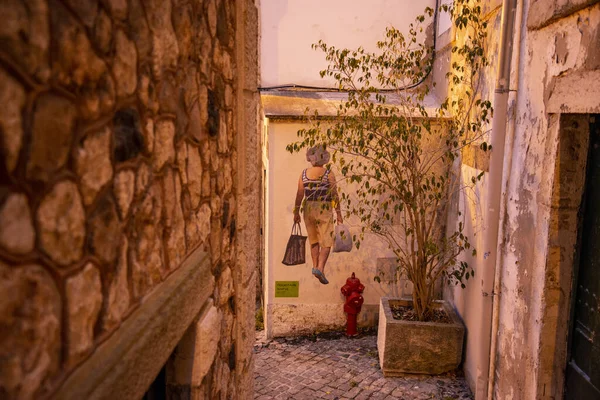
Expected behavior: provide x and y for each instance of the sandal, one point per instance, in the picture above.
(320, 276)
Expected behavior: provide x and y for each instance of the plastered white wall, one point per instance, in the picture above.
(468, 301)
(290, 27)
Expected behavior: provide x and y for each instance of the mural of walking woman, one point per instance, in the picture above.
(316, 194)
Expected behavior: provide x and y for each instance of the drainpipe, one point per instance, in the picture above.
(495, 179)
(511, 101)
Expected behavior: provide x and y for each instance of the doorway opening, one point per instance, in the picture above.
(583, 366)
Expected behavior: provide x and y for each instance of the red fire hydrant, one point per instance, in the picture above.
(354, 300)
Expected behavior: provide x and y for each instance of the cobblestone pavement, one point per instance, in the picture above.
(336, 367)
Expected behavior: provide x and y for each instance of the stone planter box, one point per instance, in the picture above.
(418, 347)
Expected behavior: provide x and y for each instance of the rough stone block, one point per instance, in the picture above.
(225, 286)
(12, 96)
(149, 134)
(181, 155)
(184, 29)
(92, 163)
(76, 65)
(124, 187)
(224, 31)
(147, 91)
(212, 17)
(194, 173)
(61, 222)
(118, 290)
(163, 143)
(147, 248)
(52, 136)
(227, 330)
(416, 347)
(244, 330)
(30, 315)
(102, 34)
(139, 30)
(198, 227)
(142, 179)
(86, 10)
(174, 222)
(220, 381)
(118, 8)
(84, 300)
(16, 230)
(165, 49)
(103, 230)
(196, 351)
(125, 65)
(27, 37)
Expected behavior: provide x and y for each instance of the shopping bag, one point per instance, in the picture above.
(295, 252)
(343, 240)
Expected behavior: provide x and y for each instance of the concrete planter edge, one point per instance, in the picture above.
(414, 347)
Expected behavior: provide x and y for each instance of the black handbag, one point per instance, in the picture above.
(295, 251)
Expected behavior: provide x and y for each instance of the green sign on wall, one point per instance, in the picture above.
(286, 288)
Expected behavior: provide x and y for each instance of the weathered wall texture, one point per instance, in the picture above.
(539, 226)
(469, 302)
(556, 73)
(121, 124)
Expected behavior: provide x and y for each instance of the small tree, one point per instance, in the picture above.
(396, 154)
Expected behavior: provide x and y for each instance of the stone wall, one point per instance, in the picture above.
(121, 124)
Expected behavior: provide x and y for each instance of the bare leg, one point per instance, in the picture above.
(323, 256)
(314, 253)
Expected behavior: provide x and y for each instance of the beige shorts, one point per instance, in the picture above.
(318, 218)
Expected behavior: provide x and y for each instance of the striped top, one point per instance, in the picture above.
(317, 189)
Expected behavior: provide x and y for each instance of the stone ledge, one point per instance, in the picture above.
(544, 12)
(585, 100)
(126, 364)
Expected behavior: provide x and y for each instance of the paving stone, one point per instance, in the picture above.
(352, 393)
(339, 368)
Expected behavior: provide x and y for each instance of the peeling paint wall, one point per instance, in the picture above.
(565, 47)
(470, 302)
(558, 73)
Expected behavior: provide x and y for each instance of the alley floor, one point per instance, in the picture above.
(335, 367)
